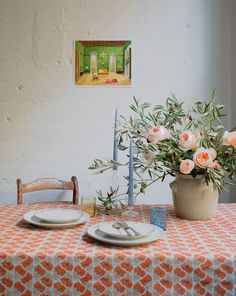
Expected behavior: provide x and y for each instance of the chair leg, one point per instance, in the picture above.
(75, 190)
(19, 191)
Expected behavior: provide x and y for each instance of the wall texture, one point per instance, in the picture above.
(232, 196)
(49, 127)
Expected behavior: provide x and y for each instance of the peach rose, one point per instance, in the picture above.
(188, 141)
(186, 166)
(158, 133)
(215, 165)
(229, 139)
(204, 157)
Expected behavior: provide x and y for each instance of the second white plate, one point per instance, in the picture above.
(32, 219)
(58, 215)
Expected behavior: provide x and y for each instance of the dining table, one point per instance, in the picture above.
(192, 258)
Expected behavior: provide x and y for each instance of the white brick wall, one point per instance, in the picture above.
(49, 127)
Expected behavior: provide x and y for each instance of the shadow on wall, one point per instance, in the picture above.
(224, 64)
(232, 195)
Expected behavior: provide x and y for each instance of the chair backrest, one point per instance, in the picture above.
(47, 184)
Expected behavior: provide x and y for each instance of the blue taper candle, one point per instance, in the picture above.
(115, 143)
(131, 175)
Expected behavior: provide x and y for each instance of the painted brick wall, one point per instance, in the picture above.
(49, 127)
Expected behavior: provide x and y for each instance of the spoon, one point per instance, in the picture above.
(118, 225)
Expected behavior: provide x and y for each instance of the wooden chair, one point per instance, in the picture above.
(47, 184)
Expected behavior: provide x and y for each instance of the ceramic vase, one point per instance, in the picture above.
(193, 199)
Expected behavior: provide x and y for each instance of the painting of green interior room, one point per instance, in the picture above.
(103, 63)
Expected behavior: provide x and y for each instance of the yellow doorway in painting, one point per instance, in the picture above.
(103, 63)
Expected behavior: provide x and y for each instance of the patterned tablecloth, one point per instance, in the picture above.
(194, 258)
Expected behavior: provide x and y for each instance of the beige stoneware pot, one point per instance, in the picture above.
(193, 199)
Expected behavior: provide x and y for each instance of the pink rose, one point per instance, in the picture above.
(215, 165)
(188, 141)
(186, 166)
(229, 139)
(204, 157)
(158, 133)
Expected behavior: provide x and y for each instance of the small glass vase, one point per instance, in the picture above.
(130, 212)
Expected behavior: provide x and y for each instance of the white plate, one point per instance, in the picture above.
(32, 219)
(94, 232)
(58, 215)
(142, 228)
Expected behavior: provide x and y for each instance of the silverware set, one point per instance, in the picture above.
(123, 225)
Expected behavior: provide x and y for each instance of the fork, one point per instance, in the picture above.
(118, 225)
(126, 226)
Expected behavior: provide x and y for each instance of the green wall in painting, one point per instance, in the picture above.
(126, 46)
(102, 55)
(79, 46)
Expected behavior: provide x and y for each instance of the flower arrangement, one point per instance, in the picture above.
(170, 140)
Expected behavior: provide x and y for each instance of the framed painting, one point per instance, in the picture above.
(103, 63)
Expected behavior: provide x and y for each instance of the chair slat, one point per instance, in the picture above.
(48, 184)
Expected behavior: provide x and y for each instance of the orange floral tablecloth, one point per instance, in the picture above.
(195, 258)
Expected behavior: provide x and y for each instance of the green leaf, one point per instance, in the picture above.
(233, 130)
(205, 122)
